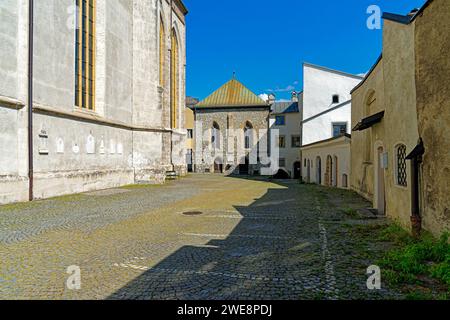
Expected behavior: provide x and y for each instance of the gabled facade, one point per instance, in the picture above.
(230, 123)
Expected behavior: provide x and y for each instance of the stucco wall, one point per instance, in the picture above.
(292, 128)
(338, 149)
(366, 101)
(433, 106)
(400, 118)
(127, 137)
(390, 87)
(319, 87)
(9, 28)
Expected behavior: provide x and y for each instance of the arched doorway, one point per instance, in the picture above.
(380, 187)
(297, 170)
(328, 173)
(282, 175)
(335, 172)
(308, 172)
(318, 170)
(244, 167)
(218, 165)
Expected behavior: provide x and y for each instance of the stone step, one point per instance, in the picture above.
(171, 175)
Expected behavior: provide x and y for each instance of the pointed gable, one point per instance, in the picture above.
(232, 94)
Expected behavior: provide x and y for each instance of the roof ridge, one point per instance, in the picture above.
(347, 74)
(232, 93)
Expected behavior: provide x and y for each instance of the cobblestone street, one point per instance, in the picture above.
(201, 237)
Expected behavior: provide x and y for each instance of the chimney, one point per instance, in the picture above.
(294, 96)
(413, 12)
(271, 99)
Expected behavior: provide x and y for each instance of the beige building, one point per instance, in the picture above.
(328, 162)
(400, 123)
(190, 125)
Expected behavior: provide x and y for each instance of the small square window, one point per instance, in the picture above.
(190, 134)
(336, 98)
(339, 129)
(280, 120)
(282, 163)
(295, 143)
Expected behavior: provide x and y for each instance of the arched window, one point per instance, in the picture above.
(162, 52)
(85, 54)
(401, 175)
(215, 136)
(248, 134)
(174, 67)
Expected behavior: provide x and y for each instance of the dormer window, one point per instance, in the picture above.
(335, 98)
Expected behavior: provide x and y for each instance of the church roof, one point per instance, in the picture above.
(232, 94)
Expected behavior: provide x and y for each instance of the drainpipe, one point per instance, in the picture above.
(171, 89)
(30, 97)
(416, 160)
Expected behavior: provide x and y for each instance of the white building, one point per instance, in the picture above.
(108, 95)
(285, 117)
(326, 125)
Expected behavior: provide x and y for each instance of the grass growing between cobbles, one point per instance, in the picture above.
(419, 267)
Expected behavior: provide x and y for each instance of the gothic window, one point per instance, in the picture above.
(85, 55)
(215, 136)
(248, 135)
(401, 174)
(174, 67)
(162, 52)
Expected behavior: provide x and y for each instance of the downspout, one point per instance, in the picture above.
(30, 98)
(171, 89)
(416, 158)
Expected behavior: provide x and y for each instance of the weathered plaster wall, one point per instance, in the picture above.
(401, 117)
(73, 154)
(9, 29)
(13, 87)
(433, 107)
(54, 54)
(391, 87)
(337, 149)
(367, 100)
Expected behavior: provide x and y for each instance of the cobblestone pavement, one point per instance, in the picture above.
(254, 239)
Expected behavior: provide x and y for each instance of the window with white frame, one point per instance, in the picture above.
(339, 129)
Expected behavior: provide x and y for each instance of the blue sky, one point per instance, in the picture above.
(266, 41)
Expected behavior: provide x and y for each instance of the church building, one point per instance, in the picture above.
(92, 95)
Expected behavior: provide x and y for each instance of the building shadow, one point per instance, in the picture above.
(272, 253)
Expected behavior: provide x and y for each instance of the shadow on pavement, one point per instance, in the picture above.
(273, 253)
